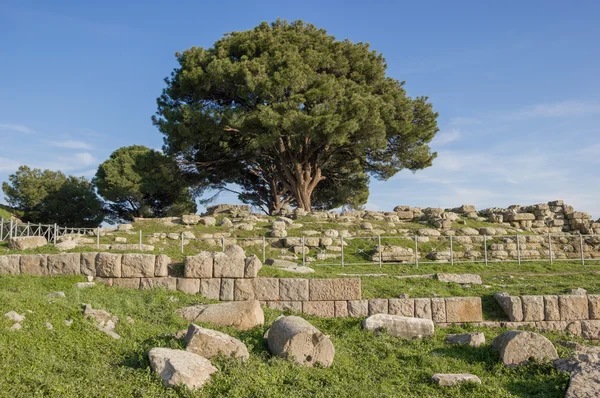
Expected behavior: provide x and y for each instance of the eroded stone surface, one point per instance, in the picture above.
(177, 367)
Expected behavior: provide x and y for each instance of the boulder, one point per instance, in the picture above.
(190, 219)
(26, 242)
(242, 315)
(210, 343)
(473, 339)
(584, 368)
(518, 347)
(66, 245)
(14, 316)
(453, 379)
(463, 279)
(180, 368)
(400, 326)
(252, 266)
(104, 321)
(295, 338)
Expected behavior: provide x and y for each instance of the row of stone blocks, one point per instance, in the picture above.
(550, 308)
(587, 329)
(114, 265)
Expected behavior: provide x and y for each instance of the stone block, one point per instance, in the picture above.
(573, 307)
(34, 264)
(341, 309)
(323, 309)
(243, 290)
(226, 293)
(533, 308)
(551, 308)
(402, 307)
(358, 308)
(228, 266)
(378, 306)
(463, 309)
(293, 289)
(210, 288)
(199, 266)
(108, 265)
(188, 285)
(334, 289)
(594, 306)
(590, 330)
(438, 310)
(266, 289)
(137, 265)
(291, 306)
(164, 283)
(106, 281)
(88, 264)
(10, 264)
(161, 268)
(423, 308)
(511, 305)
(126, 283)
(64, 264)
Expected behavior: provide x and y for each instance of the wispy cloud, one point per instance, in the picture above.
(568, 108)
(84, 159)
(16, 128)
(69, 144)
(447, 137)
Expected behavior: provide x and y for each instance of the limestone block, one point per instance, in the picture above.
(88, 264)
(533, 308)
(160, 283)
(108, 265)
(210, 288)
(126, 283)
(188, 285)
(227, 286)
(511, 305)
(463, 309)
(34, 264)
(334, 289)
(402, 307)
(358, 308)
(400, 326)
(137, 265)
(161, 268)
(292, 306)
(341, 309)
(378, 306)
(199, 266)
(423, 308)
(438, 310)
(551, 308)
(324, 309)
(594, 306)
(10, 264)
(293, 289)
(266, 289)
(573, 307)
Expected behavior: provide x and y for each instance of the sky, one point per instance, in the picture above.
(515, 83)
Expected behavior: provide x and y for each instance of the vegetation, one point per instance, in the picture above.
(81, 361)
(52, 197)
(284, 109)
(141, 182)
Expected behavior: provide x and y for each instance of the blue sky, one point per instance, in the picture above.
(515, 83)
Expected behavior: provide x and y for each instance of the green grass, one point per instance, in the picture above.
(81, 361)
(5, 214)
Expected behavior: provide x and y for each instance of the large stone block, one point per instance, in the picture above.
(126, 283)
(590, 330)
(266, 289)
(551, 308)
(188, 285)
(573, 307)
(293, 289)
(210, 288)
(88, 264)
(108, 265)
(252, 266)
(402, 307)
(292, 306)
(10, 264)
(533, 308)
(378, 306)
(400, 326)
(199, 266)
(358, 308)
(34, 264)
(243, 290)
(228, 266)
(26, 242)
(137, 265)
(512, 306)
(164, 283)
(594, 306)
(438, 310)
(463, 309)
(517, 348)
(227, 287)
(161, 268)
(423, 308)
(334, 289)
(242, 315)
(324, 309)
(341, 309)
(64, 264)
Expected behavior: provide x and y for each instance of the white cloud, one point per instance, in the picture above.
(447, 137)
(464, 121)
(568, 108)
(69, 144)
(16, 128)
(84, 159)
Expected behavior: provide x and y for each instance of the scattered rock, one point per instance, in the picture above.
(177, 367)
(56, 294)
(210, 343)
(280, 263)
(579, 291)
(242, 315)
(84, 285)
(103, 320)
(66, 245)
(460, 278)
(473, 339)
(453, 379)
(295, 338)
(14, 316)
(26, 242)
(400, 326)
(518, 347)
(130, 320)
(120, 239)
(16, 326)
(49, 326)
(584, 368)
(68, 322)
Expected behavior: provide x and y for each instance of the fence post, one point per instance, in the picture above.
(380, 249)
(485, 249)
(342, 244)
(141, 240)
(518, 250)
(451, 252)
(28, 227)
(98, 238)
(10, 230)
(581, 245)
(1, 229)
(264, 251)
(550, 247)
(182, 243)
(55, 232)
(222, 243)
(416, 252)
(303, 256)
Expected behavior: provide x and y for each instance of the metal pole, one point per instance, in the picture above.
(264, 251)
(1, 229)
(28, 226)
(141, 239)
(342, 244)
(10, 231)
(98, 238)
(55, 232)
(303, 256)
(485, 249)
(416, 252)
(380, 249)
(451, 252)
(222, 243)
(518, 250)
(581, 245)
(182, 242)
(550, 247)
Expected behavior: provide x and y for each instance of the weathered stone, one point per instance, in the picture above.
(423, 308)
(292, 306)
(229, 266)
(242, 315)
(227, 288)
(161, 268)
(473, 339)
(199, 266)
(26, 242)
(180, 368)
(341, 309)
(153, 283)
(243, 290)
(210, 343)
(108, 265)
(453, 379)
(188, 285)
(34, 264)
(590, 330)
(266, 288)
(252, 266)
(358, 308)
(293, 289)
(104, 321)
(470, 279)
(210, 288)
(334, 289)
(88, 263)
(512, 306)
(402, 307)
(190, 219)
(551, 308)
(400, 326)
(594, 306)
(14, 316)
(126, 283)
(87, 285)
(137, 265)
(64, 264)
(66, 245)
(518, 347)
(323, 309)
(438, 310)
(533, 308)
(573, 307)
(10, 265)
(463, 309)
(378, 306)
(295, 338)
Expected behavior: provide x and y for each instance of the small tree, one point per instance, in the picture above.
(140, 182)
(286, 106)
(52, 197)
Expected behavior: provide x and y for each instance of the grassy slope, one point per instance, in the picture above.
(4, 214)
(81, 361)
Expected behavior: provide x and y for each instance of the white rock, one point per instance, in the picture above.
(453, 379)
(177, 367)
(400, 326)
(210, 343)
(14, 316)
